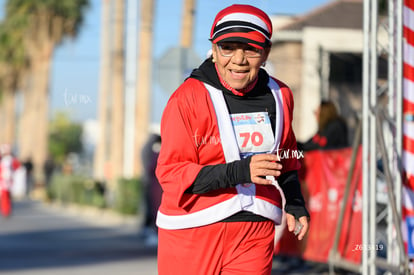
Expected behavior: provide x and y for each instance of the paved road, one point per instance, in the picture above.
(39, 239)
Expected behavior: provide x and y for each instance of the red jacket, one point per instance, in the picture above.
(8, 165)
(195, 132)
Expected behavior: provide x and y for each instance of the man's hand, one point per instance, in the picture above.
(303, 223)
(263, 165)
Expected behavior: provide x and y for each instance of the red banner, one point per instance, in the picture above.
(324, 176)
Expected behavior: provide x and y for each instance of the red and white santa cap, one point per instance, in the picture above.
(242, 23)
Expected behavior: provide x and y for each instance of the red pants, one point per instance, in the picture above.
(221, 248)
(5, 203)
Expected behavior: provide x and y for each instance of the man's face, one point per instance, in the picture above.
(238, 63)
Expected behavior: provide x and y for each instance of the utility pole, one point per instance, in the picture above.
(144, 77)
(117, 92)
(102, 151)
(187, 23)
(130, 87)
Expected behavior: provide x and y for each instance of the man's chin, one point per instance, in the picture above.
(238, 85)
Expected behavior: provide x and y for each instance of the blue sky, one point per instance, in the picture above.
(75, 70)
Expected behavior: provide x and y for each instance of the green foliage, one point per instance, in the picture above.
(73, 189)
(30, 24)
(11, 46)
(13, 59)
(64, 137)
(31, 13)
(128, 194)
(30, 27)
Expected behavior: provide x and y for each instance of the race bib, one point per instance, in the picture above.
(253, 132)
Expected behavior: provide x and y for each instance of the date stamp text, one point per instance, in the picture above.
(361, 247)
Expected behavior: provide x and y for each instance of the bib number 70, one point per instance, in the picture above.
(256, 138)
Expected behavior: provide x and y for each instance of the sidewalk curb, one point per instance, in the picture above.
(104, 217)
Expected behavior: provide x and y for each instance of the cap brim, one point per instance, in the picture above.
(255, 39)
(238, 39)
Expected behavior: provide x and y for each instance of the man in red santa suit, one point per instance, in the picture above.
(8, 164)
(221, 134)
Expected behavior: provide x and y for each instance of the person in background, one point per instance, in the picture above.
(152, 189)
(28, 165)
(8, 165)
(218, 164)
(48, 169)
(332, 129)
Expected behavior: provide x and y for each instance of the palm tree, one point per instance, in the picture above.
(101, 158)
(143, 100)
(117, 125)
(13, 65)
(45, 24)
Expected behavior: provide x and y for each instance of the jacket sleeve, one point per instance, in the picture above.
(288, 147)
(178, 164)
(213, 177)
(295, 203)
(288, 180)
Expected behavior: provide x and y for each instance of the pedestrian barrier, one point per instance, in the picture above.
(324, 177)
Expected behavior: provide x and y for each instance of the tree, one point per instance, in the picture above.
(65, 137)
(45, 24)
(118, 74)
(13, 65)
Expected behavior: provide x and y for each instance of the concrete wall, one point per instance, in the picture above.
(286, 63)
(298, 63)
(315, 42)
(300, 58)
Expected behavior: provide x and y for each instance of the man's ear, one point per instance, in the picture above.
(214, 51)
(266, 53)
